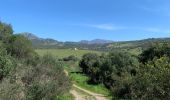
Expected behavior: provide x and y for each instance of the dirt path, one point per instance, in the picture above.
(80, 96)
(95, 95)
(77, 95)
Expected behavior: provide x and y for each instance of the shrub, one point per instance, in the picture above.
(70, 58)
(115, 70)
(5, 31)
(87, 62)
(43, 81)
(48, 80)
(153, 80)
(158, 51)
(6, 63)
(19, 47)
(32, 78)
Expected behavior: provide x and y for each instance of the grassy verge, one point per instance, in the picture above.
(66, 96)
(81, 80)
(72, 66)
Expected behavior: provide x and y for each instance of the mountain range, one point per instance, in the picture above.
(96, 44)
(35, 38)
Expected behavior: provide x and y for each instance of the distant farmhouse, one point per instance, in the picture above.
(75, 49)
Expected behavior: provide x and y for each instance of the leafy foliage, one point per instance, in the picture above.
(32, 77)
(6, 63)
(5, 31)
(129, 79)
(70, 58)
(19, 46)
(115, 70)
(153, 80)
(158, 51)
(49, 80)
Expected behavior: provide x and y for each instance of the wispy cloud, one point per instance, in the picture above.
(157, 30)
(112, 27)
(105, 26)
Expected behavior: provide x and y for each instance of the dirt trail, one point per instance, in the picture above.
(79, 96)
(95, 95)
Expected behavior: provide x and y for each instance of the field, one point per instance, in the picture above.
(60, 53)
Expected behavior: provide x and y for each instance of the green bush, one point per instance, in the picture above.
(33, 60)
(6, 63)
(32, 77)
(47, 80)
(44, 81)
(70, 58)
(158, 51)
(115, 70)
(19, 47)
(90, 65)
(152, 81)
(5, 31)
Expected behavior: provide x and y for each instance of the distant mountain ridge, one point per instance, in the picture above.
(33, 37)
(30, 36)
(97, 44)
(36, 41)
(96, 41)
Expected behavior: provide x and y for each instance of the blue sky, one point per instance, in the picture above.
(74, 20)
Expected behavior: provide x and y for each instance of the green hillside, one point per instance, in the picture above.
(135, 47)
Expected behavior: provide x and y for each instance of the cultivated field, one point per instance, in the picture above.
(60, 53)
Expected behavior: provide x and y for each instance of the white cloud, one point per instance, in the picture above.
(111, 27)
(158, 30)
(105, 26)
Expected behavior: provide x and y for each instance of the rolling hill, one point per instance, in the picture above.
(97, 44)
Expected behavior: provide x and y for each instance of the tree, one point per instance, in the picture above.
(152, 81)
(158, 51)
(19, 46)
(5, 31)
(90, 65)
(118, 70)
(87, 62)
(115, 70)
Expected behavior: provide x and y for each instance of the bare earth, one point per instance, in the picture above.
(81, 97)
(77, 95)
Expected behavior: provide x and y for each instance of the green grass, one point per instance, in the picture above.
(66, 96)
(135, 51)
(81, 80)
(121, 45)
(71, 66)
(64, 52)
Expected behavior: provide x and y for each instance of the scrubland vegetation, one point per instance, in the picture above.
(130, 77)
(24, 75)
(28, 74)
